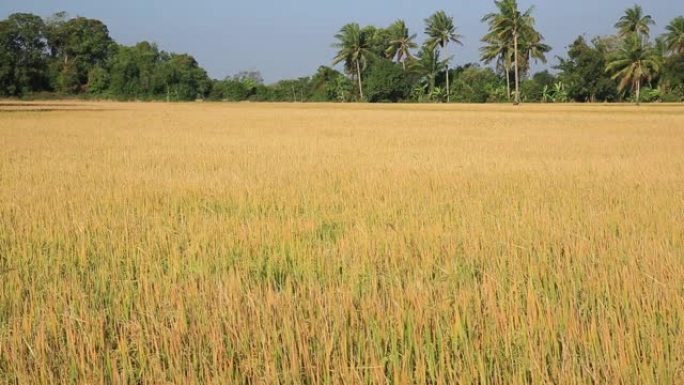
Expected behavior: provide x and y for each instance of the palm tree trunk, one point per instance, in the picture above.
(358, 76)
(447, 84)
(517, 76)
(508, 83)
(401, 59)
(638, 90)
(448, 91)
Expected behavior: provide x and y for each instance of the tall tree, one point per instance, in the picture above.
(583, 72)
(6, 59)
(354, 50)
(23, 52)
(501, 51)
(77, 46)
(183, 78)
(674, 37)
(531, 48)
(441, 31)
(510, 26)
(634, 21)
(428, 65)
(401, 42)
(633, 63)
(378, 40)
(134, 72)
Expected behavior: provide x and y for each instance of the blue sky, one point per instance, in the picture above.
(286, 39)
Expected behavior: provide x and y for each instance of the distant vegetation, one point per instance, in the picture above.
(61, 56)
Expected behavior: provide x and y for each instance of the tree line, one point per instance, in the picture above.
(60, 56)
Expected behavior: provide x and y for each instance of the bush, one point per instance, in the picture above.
(386, 82)
(475, 85)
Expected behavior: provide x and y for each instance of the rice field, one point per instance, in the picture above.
(341, 244)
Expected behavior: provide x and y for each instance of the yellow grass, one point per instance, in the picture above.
(341, 244)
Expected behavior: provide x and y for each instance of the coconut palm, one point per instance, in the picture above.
(531, 47)
(674, 37)
(659, 50)
(429, 66)
(497, 49)
(401, 42)
(633, 63)
(354, 50)
(510, 26)
(634, 21)
(441, 31)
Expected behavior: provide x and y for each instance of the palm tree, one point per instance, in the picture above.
(496, 48)
(674, 37)
(355, 51)
(441, 31)
(633, 63)
(659, 52)
(429, 65)
(401, 42)
(509, 26)
(634, 21)
(531, 47)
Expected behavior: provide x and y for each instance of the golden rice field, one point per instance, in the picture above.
(341, 244)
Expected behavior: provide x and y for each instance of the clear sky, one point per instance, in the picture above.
(285, 39)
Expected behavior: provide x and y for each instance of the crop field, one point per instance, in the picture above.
(341, 244)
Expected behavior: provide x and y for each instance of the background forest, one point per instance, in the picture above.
(61, 56)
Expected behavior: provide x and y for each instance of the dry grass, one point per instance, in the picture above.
(341, 244)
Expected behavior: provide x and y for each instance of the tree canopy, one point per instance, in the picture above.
(62, 56)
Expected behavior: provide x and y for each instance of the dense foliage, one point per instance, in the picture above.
(61, 56)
